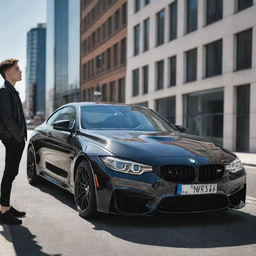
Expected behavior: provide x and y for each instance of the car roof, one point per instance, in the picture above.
(80, 104)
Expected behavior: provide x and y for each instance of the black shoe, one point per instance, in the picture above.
(7, 218)
(17, 213)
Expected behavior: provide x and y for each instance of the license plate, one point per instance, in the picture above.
(195, 189)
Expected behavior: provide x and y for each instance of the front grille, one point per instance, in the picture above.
(210, 172)
(178, 173)
(192, 203)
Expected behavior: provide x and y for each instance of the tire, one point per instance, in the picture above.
(84, 196)
(33, 178)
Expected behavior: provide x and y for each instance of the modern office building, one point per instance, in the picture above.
(35, 72)
(194, 61)
(62, 72)
(103, 50)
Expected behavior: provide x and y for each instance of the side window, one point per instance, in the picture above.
(53, 118)
(67, 113)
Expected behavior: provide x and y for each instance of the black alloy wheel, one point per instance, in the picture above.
(85, 197)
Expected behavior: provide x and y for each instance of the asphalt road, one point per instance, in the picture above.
(53, 227)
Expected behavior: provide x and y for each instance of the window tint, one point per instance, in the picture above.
(122, 118)
(66, 113)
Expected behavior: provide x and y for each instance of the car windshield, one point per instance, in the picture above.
(122, 118)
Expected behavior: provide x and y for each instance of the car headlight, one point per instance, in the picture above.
(125, 166)
(235, 166)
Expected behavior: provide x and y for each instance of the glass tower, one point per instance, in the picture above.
(35, 71)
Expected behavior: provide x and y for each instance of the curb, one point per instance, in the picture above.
(6, 244)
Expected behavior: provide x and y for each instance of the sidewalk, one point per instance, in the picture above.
(6, 245)
(247, 158)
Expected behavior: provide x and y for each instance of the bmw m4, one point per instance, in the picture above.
(128, 159)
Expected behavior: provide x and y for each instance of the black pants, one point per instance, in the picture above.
(13, 156)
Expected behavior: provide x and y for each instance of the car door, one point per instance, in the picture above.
(59, 147)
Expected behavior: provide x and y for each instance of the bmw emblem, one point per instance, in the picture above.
(193, 161)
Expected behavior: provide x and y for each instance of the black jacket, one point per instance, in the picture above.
(12, 120)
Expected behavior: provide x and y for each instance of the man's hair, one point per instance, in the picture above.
(6, 64)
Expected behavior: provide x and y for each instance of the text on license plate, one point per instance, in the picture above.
(193, 189)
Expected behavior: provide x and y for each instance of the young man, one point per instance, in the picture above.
(13, 133)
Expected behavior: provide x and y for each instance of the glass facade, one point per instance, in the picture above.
(63, 53)
(203, 114)
(35, 71)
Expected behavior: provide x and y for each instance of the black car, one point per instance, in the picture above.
(127, 159)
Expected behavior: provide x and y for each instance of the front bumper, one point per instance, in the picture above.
(143, 195)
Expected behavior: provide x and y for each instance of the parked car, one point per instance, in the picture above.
(128, 159)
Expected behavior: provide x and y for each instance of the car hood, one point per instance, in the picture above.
(151, 145)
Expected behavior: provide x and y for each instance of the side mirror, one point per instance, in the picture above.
(64, 125)
(181, 128)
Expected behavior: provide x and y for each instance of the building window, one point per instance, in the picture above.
(124, 13)
(108, 58)
(136, 5)
(146, 2)
(214, 11)
(213, 59)
(160, 75)
(203, 114)
(104, 92)
(242, 118)
(244, 50)
(84, 72)
(173, 21)
(166, 107)
(115, 54)
(117, 20)
(113, 91)
(123, 51)
(172, 71)
(121, 90)
(160, 27)
(145, 79)
(135, 82)
(243, 4)
(192, 9)
(109, 25)
(146, 35)
(191, 65)
(136, 44)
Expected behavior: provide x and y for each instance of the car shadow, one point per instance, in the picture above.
(201, 230)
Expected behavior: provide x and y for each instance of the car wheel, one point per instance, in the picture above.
(85, 197)
(32, 177)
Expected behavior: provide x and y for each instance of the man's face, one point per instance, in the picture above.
(14, 73)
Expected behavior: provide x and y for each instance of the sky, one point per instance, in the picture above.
(17, 18)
